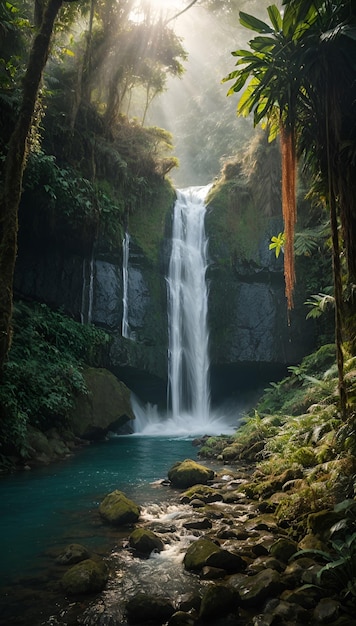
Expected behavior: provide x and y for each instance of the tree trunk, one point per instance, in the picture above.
(336, 265)
(13, 173)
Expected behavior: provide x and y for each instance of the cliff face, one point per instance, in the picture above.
(248, 321)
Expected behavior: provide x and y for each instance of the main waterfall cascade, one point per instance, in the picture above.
(188, 391)
(188, 359)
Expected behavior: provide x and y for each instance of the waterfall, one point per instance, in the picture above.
(188, 393)
(86, 312)
(188, 358)
(125, 329)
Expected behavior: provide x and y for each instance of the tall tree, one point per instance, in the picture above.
(14, 167)
(301, 73)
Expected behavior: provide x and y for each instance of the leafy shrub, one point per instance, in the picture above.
(44, 370)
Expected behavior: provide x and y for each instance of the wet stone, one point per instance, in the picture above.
(145, 608)
(217, 601)
(326, 611)
(254, 590)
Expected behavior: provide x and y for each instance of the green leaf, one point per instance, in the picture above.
(252, 23)
(247, 100)
(275, 17)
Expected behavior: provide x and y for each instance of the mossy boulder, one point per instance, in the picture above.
(146, 608)
(254, 590)
(106, 406)
(320, 523)
(203, 492)
(72, 554)
(118, 509)
(88, 576)
(217, 601)
(188, 473)
(145, 541)
(205, 552)
(283, 549)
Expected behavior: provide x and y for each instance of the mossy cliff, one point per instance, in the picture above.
(248, 317)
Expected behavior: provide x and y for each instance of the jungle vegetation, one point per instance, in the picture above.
(76, 89)
(298, 76)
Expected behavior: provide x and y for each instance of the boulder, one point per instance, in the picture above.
(118, 510)
(188, 473)
(180, 618)
(254, 590)
(204, 552)
(88, 576)
(72, 554)
(327, 610)
(146, 608)
(145, 541)
(205, 493)
(106, 406)
(283, 549)
(218, 601)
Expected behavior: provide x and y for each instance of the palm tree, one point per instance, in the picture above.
(302, 74)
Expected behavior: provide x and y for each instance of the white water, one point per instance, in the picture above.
(86, 312)
(125, 328)
(188, 358)
(189, 412)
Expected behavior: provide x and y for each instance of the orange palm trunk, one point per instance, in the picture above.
(289, 208)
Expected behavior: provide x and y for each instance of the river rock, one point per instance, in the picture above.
(202, 523)
(218, 601)
(72, 554)
(145, 541)
(283, 549)
(204, 552)
(188, 473)
(319, 523)
(88, 576)
(254, 590)
(204, 493)
(145, 608)
(326, 611)
(118, 510)
(180, 618)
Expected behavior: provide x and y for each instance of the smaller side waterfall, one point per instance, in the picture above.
(86, 312)
(125, 328)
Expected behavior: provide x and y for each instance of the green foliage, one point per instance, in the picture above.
(64, 201)
(339, 573)
(319, 303)
(43, 372)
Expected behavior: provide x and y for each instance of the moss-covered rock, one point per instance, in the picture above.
(88, 576)
(145, 541)
(283, 549)
(205, 552)
(203, 492)
(319, 523)
(119, 510)
(72, 554)
(254, 590)
(188, 473)
(217, 601)
(146, 608)
(106, 406)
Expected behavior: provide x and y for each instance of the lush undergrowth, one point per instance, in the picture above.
(296, 438)
(44, 372)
